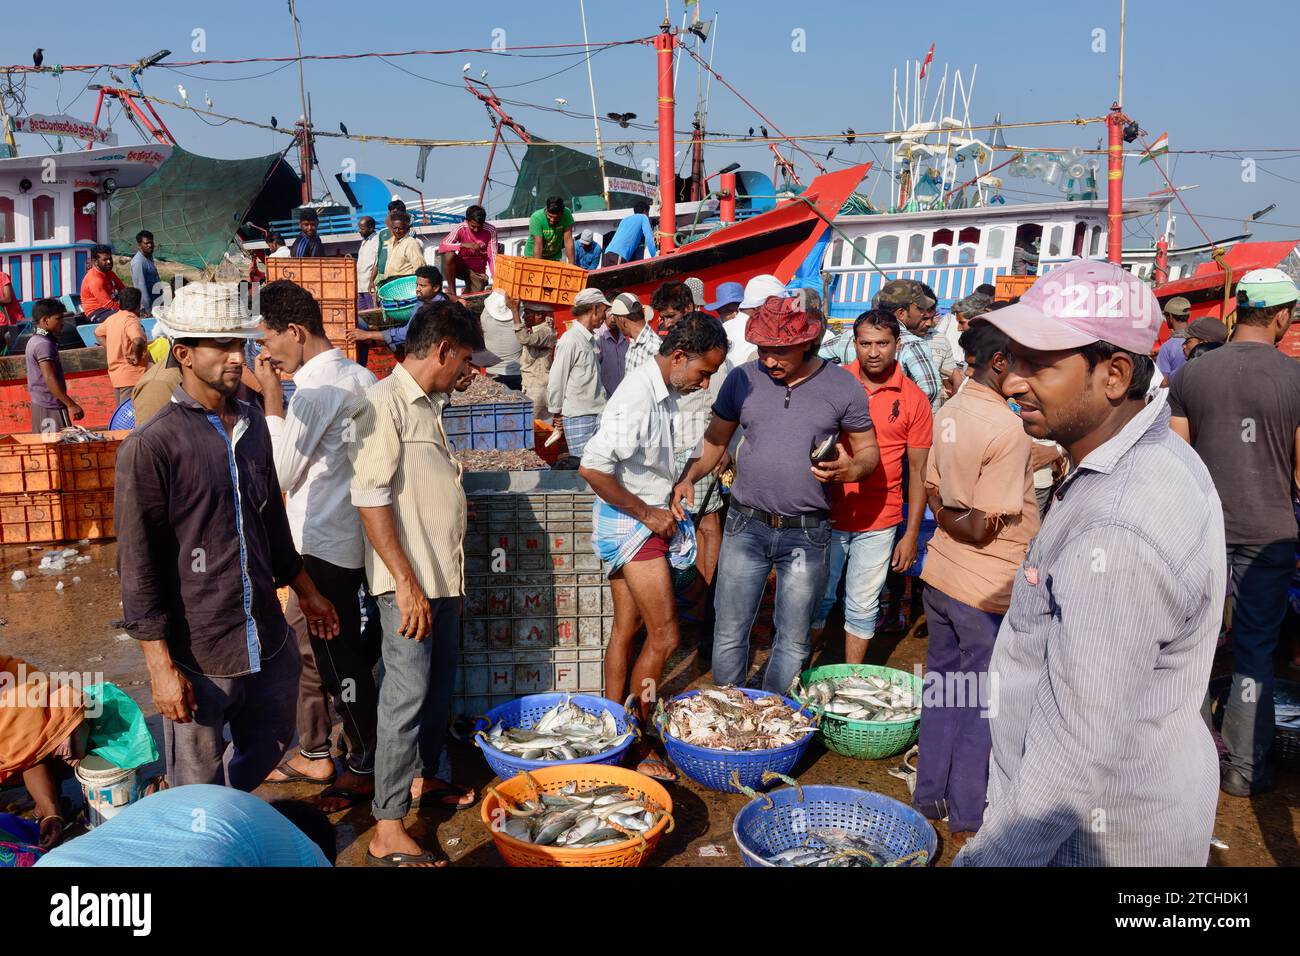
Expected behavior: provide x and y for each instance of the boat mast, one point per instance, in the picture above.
(304, 124)
(1115, 161)
(665, 44)
(595, 121)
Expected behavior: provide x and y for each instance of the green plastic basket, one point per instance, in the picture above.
(862, 739)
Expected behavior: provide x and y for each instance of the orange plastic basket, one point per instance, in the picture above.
(539, 280)
(633, 852)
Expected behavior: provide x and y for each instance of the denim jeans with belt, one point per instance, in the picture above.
(1261, 574)
(414, 700)
(751, 549)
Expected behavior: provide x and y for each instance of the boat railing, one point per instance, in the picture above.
(342, 223)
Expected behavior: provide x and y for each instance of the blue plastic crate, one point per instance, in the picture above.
(501, 426)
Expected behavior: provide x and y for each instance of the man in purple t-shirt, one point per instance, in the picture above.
(789, 402)
(51, 406)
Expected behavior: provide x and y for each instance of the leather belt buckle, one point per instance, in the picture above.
(774, 521)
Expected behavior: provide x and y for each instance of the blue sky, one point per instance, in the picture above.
(1035, 62)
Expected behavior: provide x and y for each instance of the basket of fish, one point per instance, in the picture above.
(825, 826)
(726, 737)
(1286, 716)
(867, 711)
(546, 730)
(584, 815)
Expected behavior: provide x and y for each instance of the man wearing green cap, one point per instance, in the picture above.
(1170, 358)
(1239, 407)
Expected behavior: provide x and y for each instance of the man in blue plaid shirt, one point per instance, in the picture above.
(906, 300)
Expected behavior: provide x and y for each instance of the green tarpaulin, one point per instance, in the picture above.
(551, 170)
(193, 205)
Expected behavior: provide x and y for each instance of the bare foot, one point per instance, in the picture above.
(451, 795)
(391, 837)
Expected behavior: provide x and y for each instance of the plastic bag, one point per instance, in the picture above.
(119, 733)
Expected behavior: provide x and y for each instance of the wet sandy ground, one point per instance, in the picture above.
(71, 630)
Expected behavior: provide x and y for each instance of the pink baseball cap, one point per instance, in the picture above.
(1079, 303)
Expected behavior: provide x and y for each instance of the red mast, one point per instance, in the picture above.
(665, 43)
(1115, 185)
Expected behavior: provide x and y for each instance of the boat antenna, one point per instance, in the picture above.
(305, 132)
(1119, 97)
(595, 121)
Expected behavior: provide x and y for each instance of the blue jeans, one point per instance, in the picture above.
(1261, 574)
(414, 701)
(867, 555)
(750, 550)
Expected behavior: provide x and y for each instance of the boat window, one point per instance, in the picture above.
(941, 237)
(886, 249)
(1054, 240)
(6, 219)
(969, 234)
(837, 250)
(860, 252)
(996, 238)
(941, 256)
(42, 218)
(916, 247)
(1095, 246)
(1080, 232)
(967, 254)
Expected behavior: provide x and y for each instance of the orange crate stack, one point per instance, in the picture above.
(334, 278)
(31, 518)
(337, 318)
(90, 466)
(1008, 287)
(28, 463)
(539, 280)
(88, 515)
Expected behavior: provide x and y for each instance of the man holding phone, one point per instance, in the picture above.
(406, 484)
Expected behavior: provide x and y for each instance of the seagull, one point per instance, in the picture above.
(274, 122)
(849, 136)
(38, 57)
(621, 118)
(207, 100)
(763, 129)
(483, 75)
(561, 101)
(343, 129)
(185, 97)
(465, 68)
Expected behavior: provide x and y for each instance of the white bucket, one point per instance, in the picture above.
(107, 788)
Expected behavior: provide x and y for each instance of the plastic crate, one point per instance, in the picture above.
(505, 426)
(539, 280)
(90, 466)
(1008, 287)
(333, 278)
(88, 515)
(28, 463)
(31, 518)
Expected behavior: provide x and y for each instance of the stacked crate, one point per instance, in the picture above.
(491, 426)
(538, 611)
(333, 283)
(54, 491)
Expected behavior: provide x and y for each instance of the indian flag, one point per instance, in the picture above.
(1158, 148)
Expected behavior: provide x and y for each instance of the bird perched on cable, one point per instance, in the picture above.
(561, 101)
(465, 68)
(185, 97)
(621, 118)
(830, 152)
(343, 129)
(751, 131)
(38, 57)
(207, 100)
(483, 75)
(763, 129)
(274, 122)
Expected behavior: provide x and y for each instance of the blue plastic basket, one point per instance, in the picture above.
(778, 821)
(527, 711)
(720, 769)
(123, 417)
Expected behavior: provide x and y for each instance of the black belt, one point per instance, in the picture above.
(809, 519)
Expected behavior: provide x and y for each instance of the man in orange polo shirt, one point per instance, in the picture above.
(100, 287)
(980, 485)
(866, 515)
(125, 343)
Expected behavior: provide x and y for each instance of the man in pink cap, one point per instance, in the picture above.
(1100, 756)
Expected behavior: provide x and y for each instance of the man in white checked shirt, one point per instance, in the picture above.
(1100, 756)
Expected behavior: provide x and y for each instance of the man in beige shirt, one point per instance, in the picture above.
(980, 486)
(535, 330)
(405, 254)
(406, 484)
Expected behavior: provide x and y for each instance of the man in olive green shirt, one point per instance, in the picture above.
(551, 231)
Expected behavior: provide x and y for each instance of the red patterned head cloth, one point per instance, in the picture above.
(781, 322)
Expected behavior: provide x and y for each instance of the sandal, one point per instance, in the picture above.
(289, 775)
(655, 768)
(444, 794)
(350, 798)
(405, 859)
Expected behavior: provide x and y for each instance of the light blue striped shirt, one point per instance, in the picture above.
(1100, 755)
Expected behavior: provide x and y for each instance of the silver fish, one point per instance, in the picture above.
(581, 818)
(565, 732)
(833, 847)
(862, 697)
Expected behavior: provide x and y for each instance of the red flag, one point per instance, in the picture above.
(929, 58)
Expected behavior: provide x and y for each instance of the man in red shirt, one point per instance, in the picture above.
(100, 286)
(865, 515)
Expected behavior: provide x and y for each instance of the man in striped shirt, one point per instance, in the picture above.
(634, 322)
(406, 484)
(906, 300)
(1100, 756)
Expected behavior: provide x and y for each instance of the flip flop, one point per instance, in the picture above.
(664, 773)
(441, 791)
(351, 798)
(404, 859)
(294, 776)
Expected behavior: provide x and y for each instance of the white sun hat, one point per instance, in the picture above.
(208, 310)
